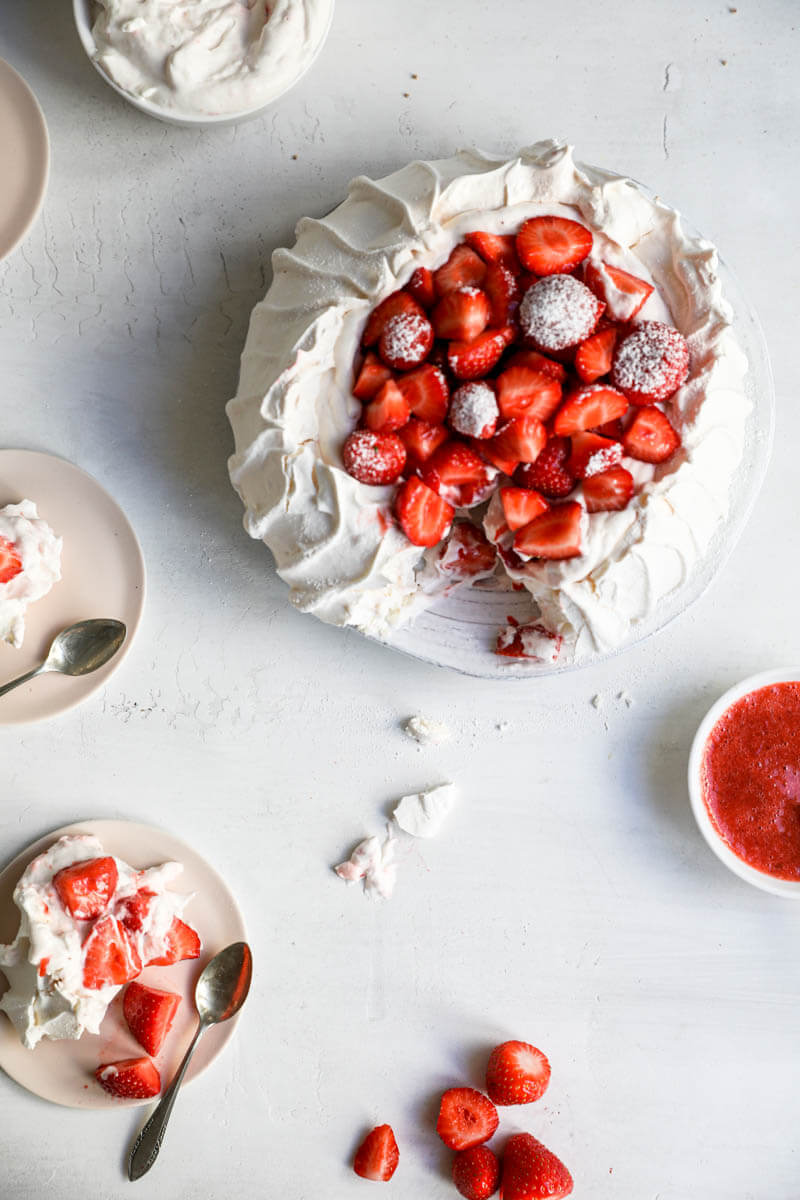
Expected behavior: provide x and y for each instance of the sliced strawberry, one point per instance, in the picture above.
(495, 248)
(588, 407)
(556, 534)
(472, 360)
(464, 268)
(593, 357)
(650, 363)
(517, 1073)
(520, 440)
(608, 491)
(591, 454)
(426, 392)
(623, 294)
(467, 553)
(420, 439)
(393, 306)
(377, 1156)
(557, 313)
(132, 911)
(388, 411)
(532, 1172)
(149, 1013)
(529, 641)
(461, 314)
(129, 1079)
(420, 285)
(552, 245)
(525, 389)
(502, 288)
(85, 888)
(423, 515)
(466, 1118)
(549, 474)
(109, 956)
(476, 1173)
(405, 341)
(43, 965)
(538, 362)
(473, 409)
(180, 942)
(457, 473)
(521, 505)
(10, 561)
(611, 429)
(371, 377)
(374, 458)
(650, 437)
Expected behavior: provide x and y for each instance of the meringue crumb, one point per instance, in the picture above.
(625, 698)
(425, 731)
(422, 814)
(597, 701)
(373, 862)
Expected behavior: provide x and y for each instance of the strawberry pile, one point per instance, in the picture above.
(515, 366)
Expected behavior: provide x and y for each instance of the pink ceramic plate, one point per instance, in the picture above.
(102, 576)
(24, 158)
(63, 1071)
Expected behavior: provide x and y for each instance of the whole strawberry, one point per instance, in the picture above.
(517, 1073)
(532, 1172)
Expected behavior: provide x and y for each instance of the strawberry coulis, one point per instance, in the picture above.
(750, 777)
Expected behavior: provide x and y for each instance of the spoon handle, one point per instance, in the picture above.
(148, 1143)
(7, 687)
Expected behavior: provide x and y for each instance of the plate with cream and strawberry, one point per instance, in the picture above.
(508, 416)
(104, 928)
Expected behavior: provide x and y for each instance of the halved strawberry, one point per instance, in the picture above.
(521, 505)
(467, 553)
(476, 1173)
(405, 341)
(549, 474)
(388, 411)
(532, 1172)
(466, 1118)
(517, 1073)
(420, 285)
(10, 561)
(180, 942)
(392, 306)
(129, 1079)
(374, 458)
(109, 956)
(609, 491)
(426, 392)
(520, 440)
(423, 515)
(473, 409)
(464, 268)
(524, 389)
(461, 314)
(457, 473)
(472, 360)
(622, 293)
(593, 357)
(502, 288)
(552, 245)
(149, 1013)
(378, 1155)
(529, 641)
(556, 534)
(592, 454)
(650, 437)
(538, 362)
(132, 911)
(371, 377)
(588, 407)
(557, 313)
(420, 439)
(495, 248)
(85, 888)
(650, 363)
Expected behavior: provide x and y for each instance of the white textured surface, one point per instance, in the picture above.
(572, 901)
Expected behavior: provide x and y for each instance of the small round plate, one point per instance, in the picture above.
(24, 158)
(102, 576)
(63, 1071)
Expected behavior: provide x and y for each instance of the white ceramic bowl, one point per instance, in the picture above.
(788, 888)
(82, 10)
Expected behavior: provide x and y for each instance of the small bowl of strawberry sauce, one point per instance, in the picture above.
(744, 780)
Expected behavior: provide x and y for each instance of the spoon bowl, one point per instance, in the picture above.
(78, 650)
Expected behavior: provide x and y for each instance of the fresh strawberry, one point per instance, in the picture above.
(608, 491)
(133, 910)
(472, 360)
(85, 888)
(532, 1172)
(502, 288)
(650, 363)
(374, 458)
(476, 1173)
(109, 956)
(623, 294)
(529, 641)
(588, 407)
(650, 437)
(549, 474)
(181, 941)
(473, 409)
(43, 965)
(521, 505)
(538, 362)
(457, 473)
(592, 454)
(420, 439)
(393, 306)
(377, 1156)
(461, 314)
(467, 553)
(520, 440)
(518, 1073)
(426, 392)
(371, 377)
(556, 534)
(423, 515)
(611, 429)
(420, 285)
(130, 1079)
(464, 268)
(10, 561)
(495, 248)
(557, 313)
(525, 389)
(388, 411)
(594, 356)
(149, 1013)
(552, 245)
(466, 1118)
(405, 341)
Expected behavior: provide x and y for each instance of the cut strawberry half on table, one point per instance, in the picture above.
(464, 268)
(109, 956)
(471, 360)
(85, 888)
(420, 285)
(377, 1156)
(609, 491)
(549, 474)
(517, 1073)
(467, 553)
(520, 440)
(371, 377)
(389, 410)
(523, 389)
(502, 288)
(532, 1172)
(529, 641)
(423, 515)
(420, 439)
(10, 561)
(593, 357)
(476, 1173)
(556, 534)
(405, 340)
(622, 293)
(466, 1118)
(129, 1079)
(650, 363)
(393, 306)
(588, 407)
(650, 437)
(461, 314)
(181, 942)
(591, 454)
(552, 245)
(427, 393)
(495, 248)
(538, 362)
(149, 1013)
(521, 506)
(455, 467)
(374, 458)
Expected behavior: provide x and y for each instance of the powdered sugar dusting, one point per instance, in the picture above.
(653, 361)
(473, 410)
(558, 311)
(373, 458)
(406, 339)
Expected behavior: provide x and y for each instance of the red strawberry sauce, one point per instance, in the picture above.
(750, 778)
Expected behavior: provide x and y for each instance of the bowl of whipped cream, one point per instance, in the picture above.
(204, 62)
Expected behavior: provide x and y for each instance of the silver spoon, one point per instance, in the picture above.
(220, 992)
(78, 650)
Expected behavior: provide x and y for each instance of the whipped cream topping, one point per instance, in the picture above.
(44, 963)
(422, 814)
(40, 553)
(333, 539)
(208, 57)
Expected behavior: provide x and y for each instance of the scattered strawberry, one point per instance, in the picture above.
(461, 314)
(502, 288)
(538, 362)
(476, 1173)
(650, 437)
(532, 1172)
(426, 392)
(149, 1013)
(405, 341)
(109, 956)
(556, 534)
(526, 389)
(10, 561)
(423, 515)
(393, 306)
(374, 458)
(623, 294)
(591, 454)
(521, 505)
(594, 356)
(420, 285)
(473, 409)
(454, 467)
(377, 1156)
(388, 411)
(588, 407)
(467, 553)
(85, 888)
(549, 474)
(420, 439)
(466, 1118)
(517, 1072)
(130, 1079)
(495, 248)
(529, 641)
(520, 440)
(558, 312)
(464, 268)
(181, 942)
(608, 491)
(650, 363)
(133, 910)
(552, 245)
(471, 360)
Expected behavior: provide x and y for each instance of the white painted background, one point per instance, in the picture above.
(571, 901)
